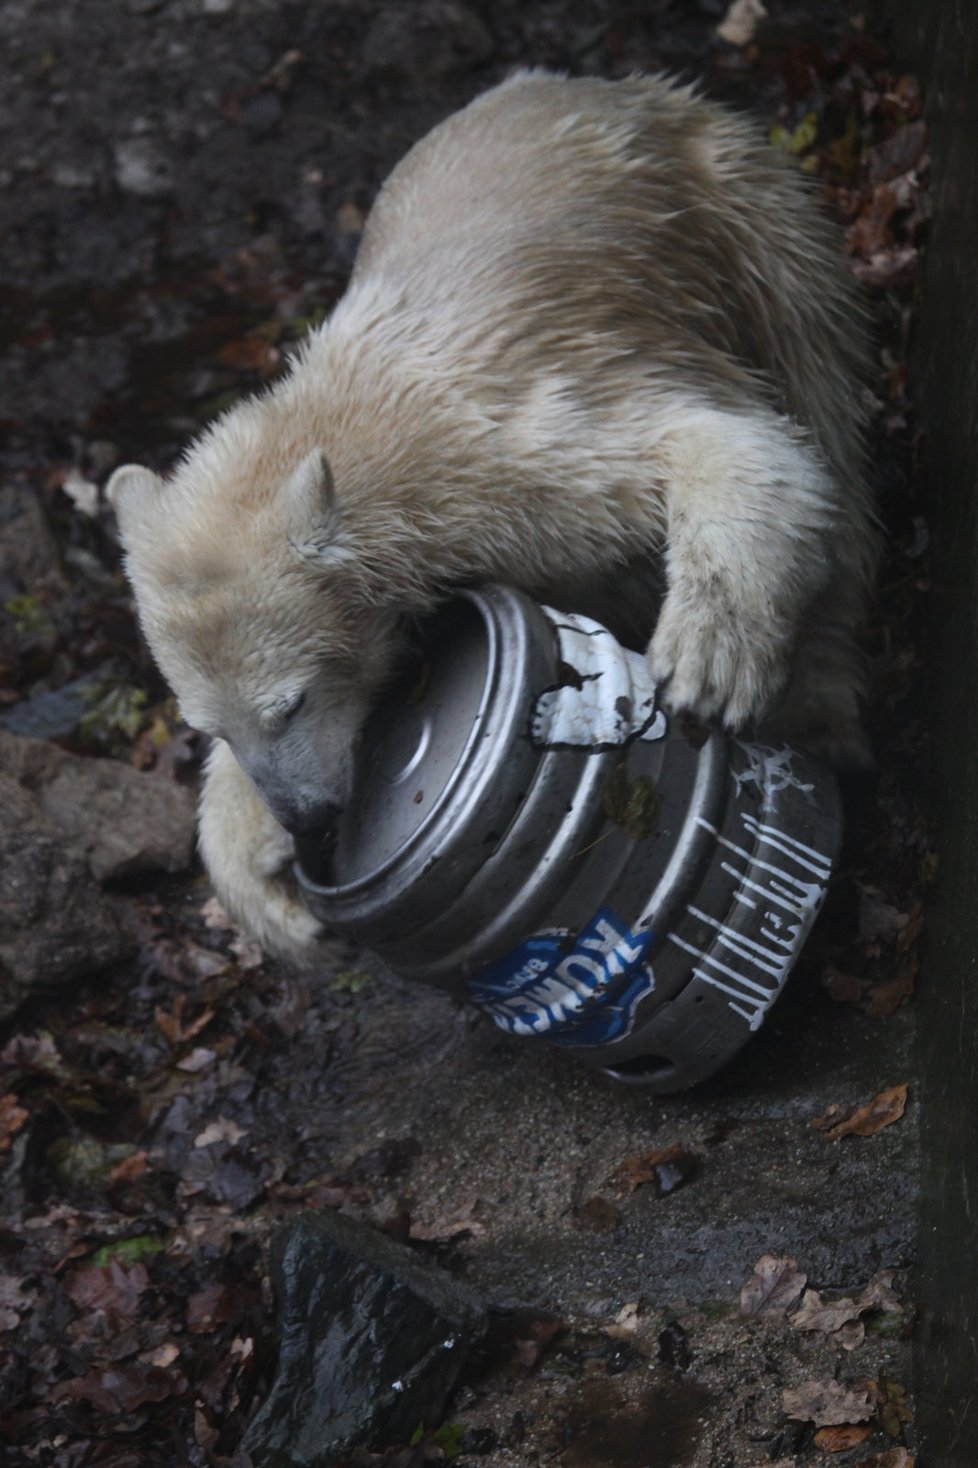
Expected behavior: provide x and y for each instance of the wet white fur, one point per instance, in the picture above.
(590, 322)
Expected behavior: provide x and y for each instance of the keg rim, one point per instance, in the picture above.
(501, 610)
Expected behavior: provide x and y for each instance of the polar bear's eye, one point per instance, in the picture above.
(291, 706)
(274, 717)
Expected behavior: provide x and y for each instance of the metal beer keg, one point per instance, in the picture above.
(530, 830)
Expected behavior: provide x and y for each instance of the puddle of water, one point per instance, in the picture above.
(662, 1431)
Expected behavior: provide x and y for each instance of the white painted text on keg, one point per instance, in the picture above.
(783, 878)
(770, 769)
(607, 697)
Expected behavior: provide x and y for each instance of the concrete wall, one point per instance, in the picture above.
(941, 40)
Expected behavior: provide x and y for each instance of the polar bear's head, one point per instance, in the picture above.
(256, 605)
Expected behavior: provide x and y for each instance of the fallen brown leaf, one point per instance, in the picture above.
(904, 96)
(129, 1168)
(867, 1120)
(123, 1388)
(214, 1305)
(894, 1409)
(172, 1026)
(113, 1286)
(12, 1118)
(827, 1317)
(876, 1000)
(884, 267)
(871, 229)
(851, 1335)
(625, 1322)
(829, 1403)
(841, 987)
(162, 747)
(884, 999)
(667, 1168)
(773, 1288)
(534, 1338)
(838, 1439)
(832, 1317)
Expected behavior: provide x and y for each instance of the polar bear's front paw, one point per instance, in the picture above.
(249, 858)
(261, 894)
(287, 928)
(712, 664)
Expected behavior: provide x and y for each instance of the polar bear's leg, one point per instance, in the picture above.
(753, 517)
(249, 857)
(822, 710)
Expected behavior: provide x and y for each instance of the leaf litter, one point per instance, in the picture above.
(663, 1168)
(866, 1120)
(841, 1316)
(773, 1288)
(830, 1403)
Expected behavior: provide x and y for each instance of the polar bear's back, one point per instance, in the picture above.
(577, 218)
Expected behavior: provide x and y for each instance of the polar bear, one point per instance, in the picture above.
(593, 327)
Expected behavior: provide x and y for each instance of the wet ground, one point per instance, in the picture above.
(183, 186)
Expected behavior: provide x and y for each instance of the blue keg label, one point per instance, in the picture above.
(577, 990)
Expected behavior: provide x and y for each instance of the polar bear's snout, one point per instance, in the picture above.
(302, 819)
(304, 806)
(301, 812)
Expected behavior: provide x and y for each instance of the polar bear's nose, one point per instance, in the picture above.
(312, 820)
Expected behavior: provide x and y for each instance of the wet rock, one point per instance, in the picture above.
(372, 1342)
(421, 44)
(29, 563)
(53, 713)
(143, 169)
(120, 821)
(55, 923)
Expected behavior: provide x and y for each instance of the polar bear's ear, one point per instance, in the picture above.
(132, 487)
(309, 495)
(315, 523)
